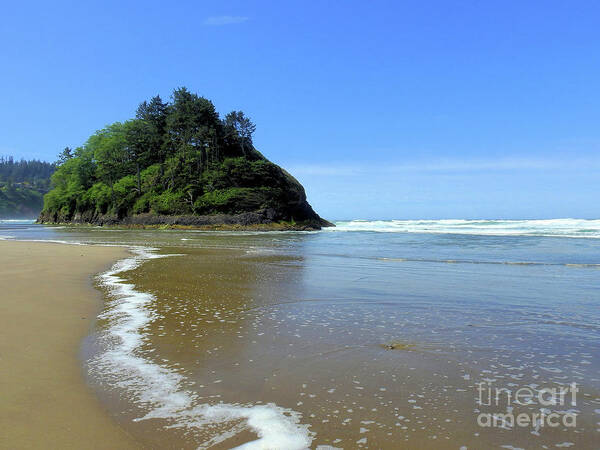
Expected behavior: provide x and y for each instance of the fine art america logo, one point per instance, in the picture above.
(527, 406)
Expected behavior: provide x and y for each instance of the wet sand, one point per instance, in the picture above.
(249, 327)
(47, 306)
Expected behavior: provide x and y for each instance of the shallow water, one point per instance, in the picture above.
(348, 339)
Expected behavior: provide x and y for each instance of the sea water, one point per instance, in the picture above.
(373, 334)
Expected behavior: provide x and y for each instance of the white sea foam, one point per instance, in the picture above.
(58, 241)
(18, 221)
(163, 391)
(575, 228)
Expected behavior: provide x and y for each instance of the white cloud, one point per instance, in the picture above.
(216, 21)
(446, 165)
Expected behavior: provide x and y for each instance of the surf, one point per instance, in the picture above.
(569, 228)
(162, 391)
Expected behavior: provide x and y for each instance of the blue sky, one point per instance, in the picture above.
(457, 109)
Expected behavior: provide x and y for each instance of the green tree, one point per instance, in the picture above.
(154, 113)
(109, 147)
(240, 128)
(139, 140)
(193, 128)
(64, 156)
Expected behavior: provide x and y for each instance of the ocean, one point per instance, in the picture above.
(373, 334)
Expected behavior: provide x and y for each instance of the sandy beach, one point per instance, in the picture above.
(47, 307)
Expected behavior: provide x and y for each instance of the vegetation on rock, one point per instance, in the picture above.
(175, 158)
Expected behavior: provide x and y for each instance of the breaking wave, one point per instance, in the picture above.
(163, 392)
(573, 228)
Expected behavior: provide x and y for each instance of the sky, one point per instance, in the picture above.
(382, 109)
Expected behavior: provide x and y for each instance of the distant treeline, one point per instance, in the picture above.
(32, 172)
(23, 184)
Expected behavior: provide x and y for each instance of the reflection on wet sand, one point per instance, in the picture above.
(369, 370)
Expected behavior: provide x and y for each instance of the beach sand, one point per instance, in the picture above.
(47, 306)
